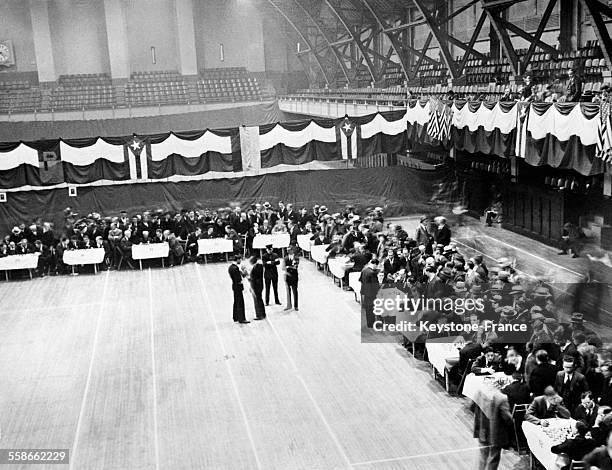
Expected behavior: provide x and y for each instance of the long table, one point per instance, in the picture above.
(278, 240)
(485, 390)
(318, 253)
(339, 266)
(14, 262)
(93, 256)
(209, 246)
(439, 351)
(355, 284)
(305, 242)
(151, 251)
(540, 439)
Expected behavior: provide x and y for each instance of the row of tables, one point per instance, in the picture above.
(95, 256)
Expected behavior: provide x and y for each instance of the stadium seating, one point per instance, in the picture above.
(18, 96)
(228, 84)
(83, 91)
(156, 88)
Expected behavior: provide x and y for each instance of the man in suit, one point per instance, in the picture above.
(493, 433)
(434, 286)
(576, 447)
(545, 407)
(488, 363)
(369, 289)
(270, 262)
(257, 286)
(291, 278)
(543, 375)
(236, 277)
(600, 458)
(573, 90)
(570, 384)
(587, 410)
(443, 237)
(517, 391)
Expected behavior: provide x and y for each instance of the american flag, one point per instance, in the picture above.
(604, 137)
(440, 120)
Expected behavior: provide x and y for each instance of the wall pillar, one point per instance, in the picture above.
(188, 61)
(43, 47)
(117, 40)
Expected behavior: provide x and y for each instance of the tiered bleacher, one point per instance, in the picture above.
(228, 84)
(19, 96)
(83, 91)
(156, 88)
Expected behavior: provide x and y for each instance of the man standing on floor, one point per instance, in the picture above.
(291, 278)
(257, 286)
(270, 262)
(236, 276)
(369, 289)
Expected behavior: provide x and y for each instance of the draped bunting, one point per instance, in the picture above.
(561, 135)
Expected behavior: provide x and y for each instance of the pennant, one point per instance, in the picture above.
(348, 133)
(50, 166)
(440, 120)
(604, 133)
(522, 122)
(137, 161)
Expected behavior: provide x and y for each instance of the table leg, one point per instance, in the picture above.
(205, 259)
(163, 266)
(72, 267)
(30, 271)
(6, 274)
(140, 263)
(95, 268)
(227, 257)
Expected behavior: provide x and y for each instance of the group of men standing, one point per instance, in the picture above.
(263, 272)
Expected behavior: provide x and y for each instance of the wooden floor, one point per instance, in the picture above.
(146, 370)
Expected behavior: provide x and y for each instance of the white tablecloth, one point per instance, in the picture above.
(439, 350)
(319, 254)
(10, 263)
(154, 250)
(278, 240)
(354, 282)
(86, 256)
(340, 265)
(208, 246)
(540, 442)
(304, 241)
(480, 389)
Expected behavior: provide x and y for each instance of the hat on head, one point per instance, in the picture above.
(577, 317)
(445, 274)
(508, 312)
(517, 290)
(541, 292)
(497, 298)
(323, 209)
(269, 245)
(497, 286)
(378, 209)
(423, 218)
(504, 263)
(537, 316)
(476, 288)
(16, 230)
(503, 275)
(266, 204)
(460, 287)
(535, 309)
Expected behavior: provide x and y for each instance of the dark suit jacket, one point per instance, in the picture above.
(542, 376)
(270, 262)
(292, 269)
(236, 276)
(444, 236)
(571, 392)
(257, 277)
(369, 282)
(518, 393)
(481, 363)
(580, 414)
(538, 411)
(598, 458)
(575, 448)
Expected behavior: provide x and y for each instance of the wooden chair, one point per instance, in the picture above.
(518, 415)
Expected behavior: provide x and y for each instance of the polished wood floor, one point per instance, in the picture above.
(146, 370)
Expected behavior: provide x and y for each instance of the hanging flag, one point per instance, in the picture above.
(522, 122)
(604, 133)
(348, 133)
(440, 120)
(50, 166)
(137, 160)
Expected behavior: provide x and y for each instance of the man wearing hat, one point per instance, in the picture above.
(422, 235)
(257, 283)
(369, 288)
(291, 263)
(236, 277)
(270, 262)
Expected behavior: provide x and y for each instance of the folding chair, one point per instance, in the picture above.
(518, 415)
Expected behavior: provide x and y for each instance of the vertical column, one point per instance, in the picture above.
(185, 31)
(568, 30)
(43, 48)
(117, 40)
